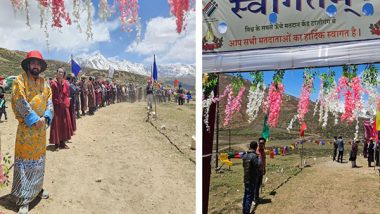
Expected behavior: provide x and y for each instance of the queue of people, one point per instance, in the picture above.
(371, 151)
(39, 103)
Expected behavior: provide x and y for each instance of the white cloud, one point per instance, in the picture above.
(161, 38)
(16, 35)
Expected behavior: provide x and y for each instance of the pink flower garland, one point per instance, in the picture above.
(17, 4)
(233, 103)
(352, 98)
(43, 3)
(128, 13)
(273, 103)
(303, 104)
(178, 9)
(59, 13)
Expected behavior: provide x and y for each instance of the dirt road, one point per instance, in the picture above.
(117, 163)
(328, 187)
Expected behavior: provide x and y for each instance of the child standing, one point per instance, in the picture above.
(2, 107)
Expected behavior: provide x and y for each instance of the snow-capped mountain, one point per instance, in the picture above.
(98, 61)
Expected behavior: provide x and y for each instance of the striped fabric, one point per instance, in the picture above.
(27, 180)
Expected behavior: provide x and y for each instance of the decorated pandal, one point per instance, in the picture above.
(349, 91)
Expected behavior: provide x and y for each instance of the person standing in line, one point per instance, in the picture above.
(377, 153)
(77, 98)
(83, 95)
(149, 95)
(91, 96)
(73, 92)
(371, 151)
(61, 127)
(365, 149)
(353, 153)
(33, 108)
(340, 149)
(335, 144)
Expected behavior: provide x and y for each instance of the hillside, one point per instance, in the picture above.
(240, 125)
(10, 65)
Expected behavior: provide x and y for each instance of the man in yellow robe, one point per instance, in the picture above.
(33, 108)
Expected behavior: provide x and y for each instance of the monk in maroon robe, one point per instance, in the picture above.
(98, 94)
(61, 127)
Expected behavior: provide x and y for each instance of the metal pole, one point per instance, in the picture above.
(229, 140)
(302, 152)
(217, 127)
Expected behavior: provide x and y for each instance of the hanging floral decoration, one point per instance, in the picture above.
(256, 95)
(178, 8)
(17, 4)
(209, 82)
(76, 14)
(272, 105)
(233, 103)
(89, 19)
(303, 103)
(350, 85)
(370, 83)
(44, 10)
(128, 13)
(104, 10)
(59, 13)
(327, 101)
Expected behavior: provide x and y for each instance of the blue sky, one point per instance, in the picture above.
(293, 79)
(158, 35)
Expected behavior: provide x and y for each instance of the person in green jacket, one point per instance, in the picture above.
(3, 107)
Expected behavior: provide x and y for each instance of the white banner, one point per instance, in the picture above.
(111, 70)
(236, 25)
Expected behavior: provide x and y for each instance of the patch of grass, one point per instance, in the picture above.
(227, 188)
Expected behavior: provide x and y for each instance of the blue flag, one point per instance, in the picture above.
(155, 77)
(75, 68)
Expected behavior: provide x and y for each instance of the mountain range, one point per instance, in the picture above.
(97, 61)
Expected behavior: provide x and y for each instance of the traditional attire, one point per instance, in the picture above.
(353, 154)
(61, 128)
(31, 100)
(83, 96)
(91, 97)
(73, 92)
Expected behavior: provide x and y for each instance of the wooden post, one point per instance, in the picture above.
(217, 130)
(207, 142)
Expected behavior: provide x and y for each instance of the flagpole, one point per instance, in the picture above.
(154, 94)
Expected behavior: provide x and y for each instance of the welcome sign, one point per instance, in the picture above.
(235, 25)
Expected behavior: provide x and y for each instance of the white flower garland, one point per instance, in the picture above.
(206, 103)
(372, 101)
(89, 19)
(255, 98)
(76, 14)
(290, 126)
